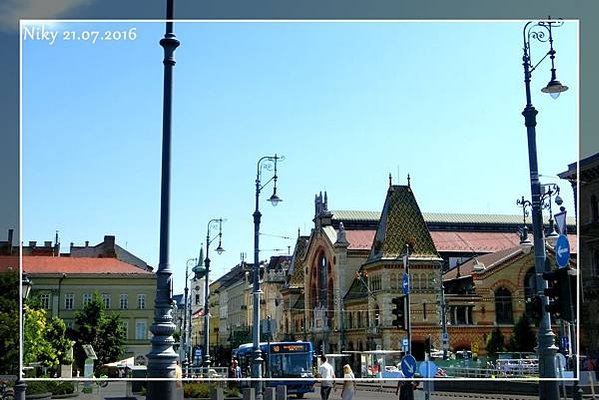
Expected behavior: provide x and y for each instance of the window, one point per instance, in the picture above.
(198, 300)
(69, 323)
(141, 329)
(141, 301)
(595, 264)
(124, 301)
(594, 208)
(45, 300)
(503, 306)
(87, 298)
(69, 300)
(126, 328)
(106, 299)
(424, 311)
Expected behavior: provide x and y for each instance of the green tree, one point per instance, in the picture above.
(9, 322)
(495, 343)
(523, 337)
(105, 332)
(45, 340)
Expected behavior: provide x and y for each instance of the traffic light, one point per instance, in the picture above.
(559, 293)
(399, 310)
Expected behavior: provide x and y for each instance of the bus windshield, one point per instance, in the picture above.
(290, 364)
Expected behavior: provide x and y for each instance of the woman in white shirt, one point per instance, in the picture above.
(349, 383)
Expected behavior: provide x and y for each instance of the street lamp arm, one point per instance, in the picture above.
(540, 31)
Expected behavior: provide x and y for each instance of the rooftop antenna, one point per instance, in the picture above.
(390, 181)
(409, 180)
(56, 243)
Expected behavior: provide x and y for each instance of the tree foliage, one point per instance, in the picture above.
(45, 340)
(103, 331)
(523, 337)
(9, 322)
(495, 343)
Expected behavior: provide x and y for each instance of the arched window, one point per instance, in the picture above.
(377, 315)
(594, 208)
(503, 306)
(350, 323)
(359, 319)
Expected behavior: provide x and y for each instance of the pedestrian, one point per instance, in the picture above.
(349, 384)
(234, 373)
(327, 374)
(405, 389)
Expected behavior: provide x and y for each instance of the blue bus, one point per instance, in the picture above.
(282, 360)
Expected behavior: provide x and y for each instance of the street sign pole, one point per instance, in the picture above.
(407, 302)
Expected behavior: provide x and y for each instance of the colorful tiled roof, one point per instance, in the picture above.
(296, 271)
(402, 222)
(75, 265)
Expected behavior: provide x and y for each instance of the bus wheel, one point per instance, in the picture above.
(299, 395)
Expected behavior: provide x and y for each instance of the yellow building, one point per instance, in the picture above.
(65, 284)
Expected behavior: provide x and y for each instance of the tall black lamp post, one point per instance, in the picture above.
(185, 350)
(541, 31)
(264, 162)
(212, 224)
(162, 359)
(20, 385)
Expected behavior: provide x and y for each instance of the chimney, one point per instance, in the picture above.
(47, 243)
(109, 250)
(87, 243)
(32, 243)
(10, 235)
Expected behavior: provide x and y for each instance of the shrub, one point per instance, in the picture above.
(197, 390)
(37, 387)
(58, 387)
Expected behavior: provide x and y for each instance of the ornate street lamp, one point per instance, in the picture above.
(212, 224)
(184, 353)
(20, 385)
(266, 162)
(542, 32)
(162, 359)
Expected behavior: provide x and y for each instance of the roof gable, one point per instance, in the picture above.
(402, 222)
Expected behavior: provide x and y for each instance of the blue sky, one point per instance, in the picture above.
(346, 103)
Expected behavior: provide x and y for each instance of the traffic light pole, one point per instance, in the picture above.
(408, 316)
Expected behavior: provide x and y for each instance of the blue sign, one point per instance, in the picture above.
(406, 283)
(428, 369)
(408, 366)
(562, 251)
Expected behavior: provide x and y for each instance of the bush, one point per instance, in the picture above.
(197, 390)
(232, 392)
(58, 387)
(37, 387)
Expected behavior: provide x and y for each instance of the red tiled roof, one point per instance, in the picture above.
(73, 265)
(488, 260)
(474, 242)
(359, 240)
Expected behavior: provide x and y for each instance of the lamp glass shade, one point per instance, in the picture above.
(274, 199)
(220, 250)
(26, 282)
(551, 238)
(526, 245)
(554, 88)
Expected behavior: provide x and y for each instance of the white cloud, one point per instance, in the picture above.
(13, 10)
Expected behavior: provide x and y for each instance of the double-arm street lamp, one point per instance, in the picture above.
(267, 162)
(185, 332)
(212, 224)
(162, 359)
(542, 32)
(20, 385)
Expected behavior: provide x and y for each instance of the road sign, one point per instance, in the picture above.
(562, 251)
(408, 366)
(560, 221)
(428, 369)
(406, 283)
(445, 337)
(564, 342)
(404, 342)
